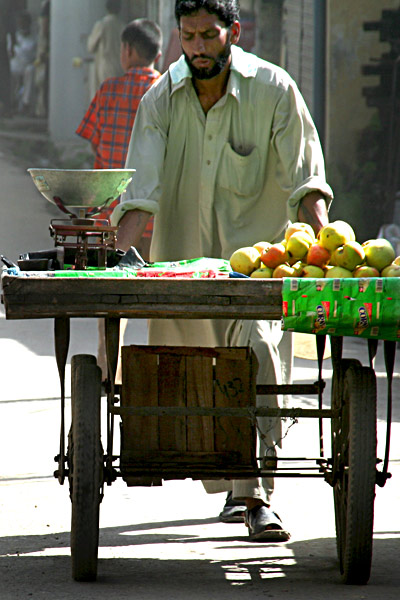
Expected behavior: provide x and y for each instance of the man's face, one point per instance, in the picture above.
(206, 43)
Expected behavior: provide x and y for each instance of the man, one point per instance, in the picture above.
(226, 154)
(108, 121)
(103, 42)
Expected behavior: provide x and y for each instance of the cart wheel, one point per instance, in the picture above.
(354, 467)
(85, 457)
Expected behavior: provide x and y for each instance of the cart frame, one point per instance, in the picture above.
(353, 479)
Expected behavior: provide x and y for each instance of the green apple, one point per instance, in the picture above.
(391, 270)
(303, 227)
(313, 271)
(346, 226)
(298, 244)
(349, 256)
(262, 272)
(245, 260)
(284, 270)
(338, 273)
(379, 253)
(298, 267)
(365, 271)
(335, 234)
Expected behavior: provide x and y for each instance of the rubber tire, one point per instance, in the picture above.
(86, 466)
(354, 454)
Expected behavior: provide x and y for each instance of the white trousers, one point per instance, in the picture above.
(273, 349)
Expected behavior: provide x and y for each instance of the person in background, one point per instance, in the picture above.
(7, 43)
(104, 42)
(226, 154)
(22, 64)
(42, 61)
(108, 121)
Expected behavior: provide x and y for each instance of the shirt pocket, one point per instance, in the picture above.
(239, 174)
(239, 184)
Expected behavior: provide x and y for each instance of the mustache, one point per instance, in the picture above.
(202, 56)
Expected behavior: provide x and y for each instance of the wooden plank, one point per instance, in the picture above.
(199, 385)
(172, 392)
(235, 385)
(13, 285)
(139, 388)
(46, 297)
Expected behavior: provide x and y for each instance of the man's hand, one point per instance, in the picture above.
(131, 228)
(313, 210)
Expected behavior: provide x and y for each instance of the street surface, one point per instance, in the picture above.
(157, 543)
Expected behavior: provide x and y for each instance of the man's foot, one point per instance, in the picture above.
(233, 511)
(265, 525)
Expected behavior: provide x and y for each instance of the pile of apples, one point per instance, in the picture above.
(334, 253)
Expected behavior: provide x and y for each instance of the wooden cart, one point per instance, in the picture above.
(175, 424)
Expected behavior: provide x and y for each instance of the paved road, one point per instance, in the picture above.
(158, 543)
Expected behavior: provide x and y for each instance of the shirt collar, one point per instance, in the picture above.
(243, 64)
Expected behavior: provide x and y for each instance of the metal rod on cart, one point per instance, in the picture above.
(61, 339)
(321, 342)
(198, 411)
(390, 355)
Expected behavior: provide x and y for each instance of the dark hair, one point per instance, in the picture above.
(227, 11)
(145, 36)
(113, 6)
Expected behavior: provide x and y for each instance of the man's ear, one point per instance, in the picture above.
(235, 32)
(157, 58)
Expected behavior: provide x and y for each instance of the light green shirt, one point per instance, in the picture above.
(227, 179)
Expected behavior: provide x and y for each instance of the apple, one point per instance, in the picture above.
(284, 270)
(318, 255)
(274, 256)
(262, 272)
(397, 260)
(298, 268)
(245, 260)
(392, 270)
(332, 261)
(338, 273)
(262, 246)
(345, 225)
(365, 271)
(298, 244)
(304, 227)
(379, 253)
(349, 256)
(335, 234)
(313, 271)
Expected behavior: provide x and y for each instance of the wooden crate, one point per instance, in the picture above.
(155, 447)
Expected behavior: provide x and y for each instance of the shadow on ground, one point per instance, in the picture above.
(302, 569)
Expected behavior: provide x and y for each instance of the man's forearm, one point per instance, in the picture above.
(313, 210)
(131, 228)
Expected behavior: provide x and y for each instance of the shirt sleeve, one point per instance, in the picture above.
(89, 127)
(297, 144)
(146, 154)
(94, 37)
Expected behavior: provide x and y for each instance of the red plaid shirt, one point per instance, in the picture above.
(109, 119)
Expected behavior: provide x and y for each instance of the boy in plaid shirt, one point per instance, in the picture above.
(109, 119)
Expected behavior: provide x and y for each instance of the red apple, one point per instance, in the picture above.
(274, 256)
(318, 255)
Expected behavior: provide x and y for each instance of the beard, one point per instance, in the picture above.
(218, 66)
